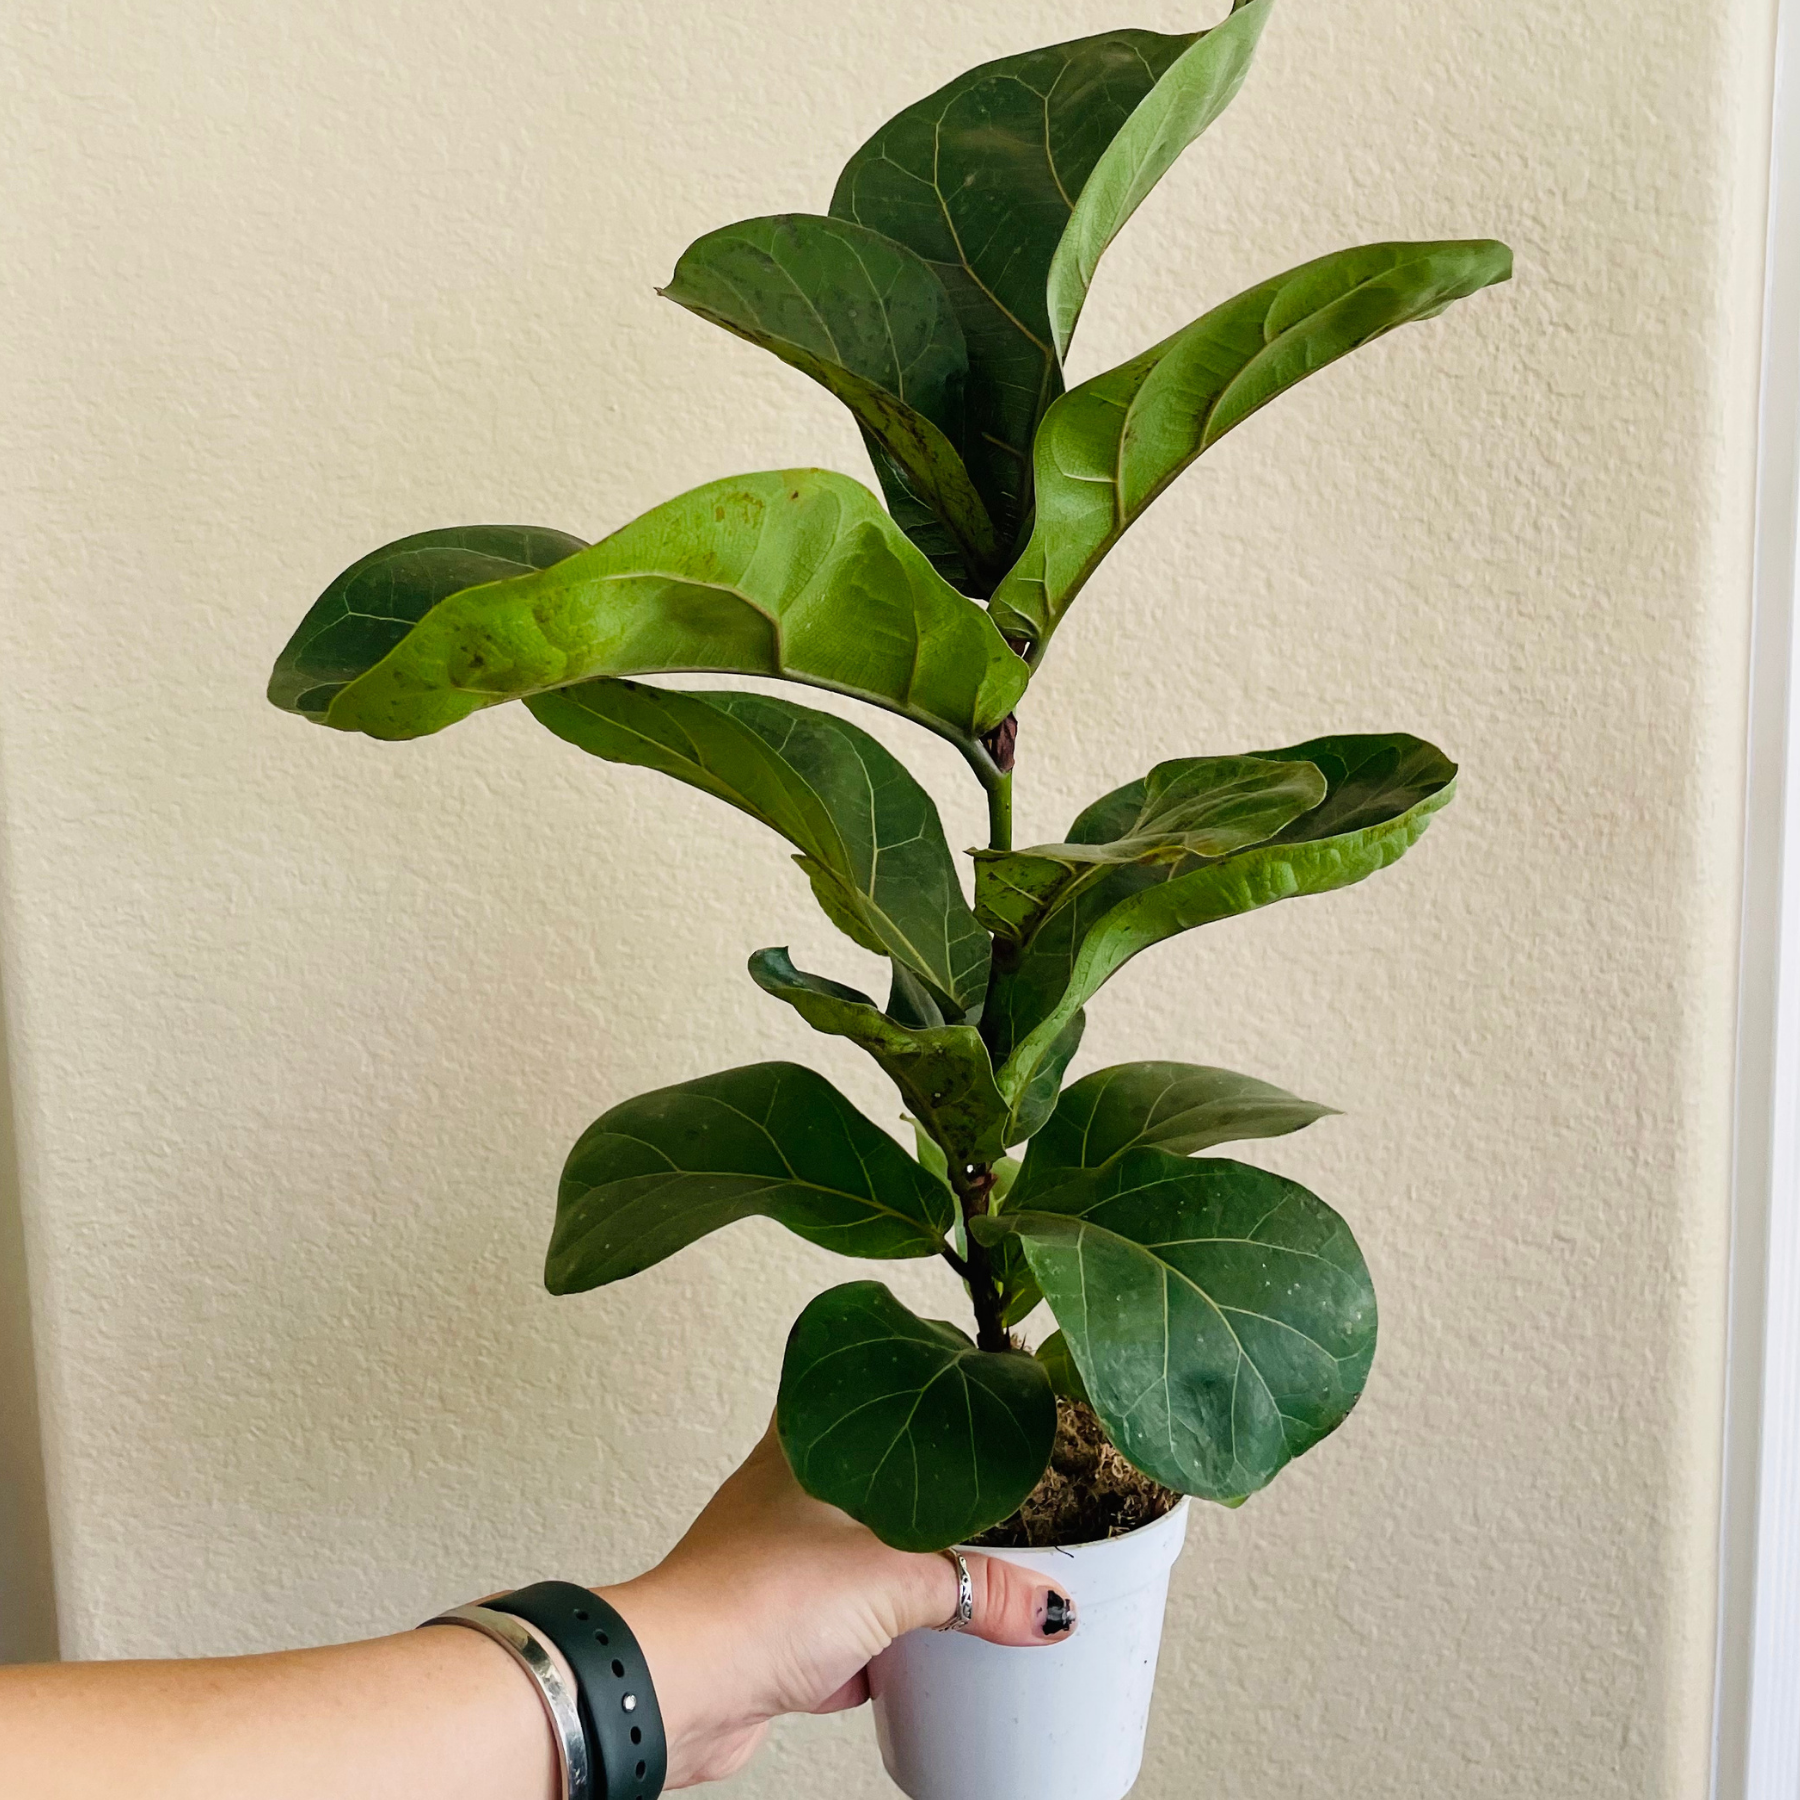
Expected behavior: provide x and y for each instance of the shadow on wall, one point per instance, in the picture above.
(27, 1594)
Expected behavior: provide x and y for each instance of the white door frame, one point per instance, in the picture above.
(1756, 1728)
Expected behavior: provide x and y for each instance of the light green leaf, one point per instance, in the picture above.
(868, 835)
(931, 1156)
(870, 321)
(943, 1074)
(1197, 806)
(1194, 90)
(1222, 1318)
(1019, 1291)
(1382, 791)
(794, 573)
(1059, 1365)
(369, 608)
(1110, 446)
(659, 1172)
(1178, 1107)
(904, 1424)
(982, 180)
(1036, 1098)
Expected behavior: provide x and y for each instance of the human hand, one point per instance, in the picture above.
(774, 1603)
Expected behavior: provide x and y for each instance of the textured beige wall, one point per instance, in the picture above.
(301, 1026)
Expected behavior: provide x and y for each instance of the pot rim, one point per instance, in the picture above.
(1135, 1535)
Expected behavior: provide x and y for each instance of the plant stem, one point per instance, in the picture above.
(974, 1183)
(972, 1188)
(981, 762)
(999, 797)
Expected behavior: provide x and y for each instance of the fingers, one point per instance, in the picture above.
(1010, 1604)
(1013, 1605)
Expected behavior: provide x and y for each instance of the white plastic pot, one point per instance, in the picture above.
(958, 1719)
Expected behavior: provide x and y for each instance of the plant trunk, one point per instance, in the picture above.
(972, 1190)
(974, 1185)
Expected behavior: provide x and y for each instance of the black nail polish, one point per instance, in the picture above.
(1059, 1615)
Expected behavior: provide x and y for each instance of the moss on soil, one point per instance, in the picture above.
(1088, 1492)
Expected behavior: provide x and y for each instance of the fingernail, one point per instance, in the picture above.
(1059, 1614)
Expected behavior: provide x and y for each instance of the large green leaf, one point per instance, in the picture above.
(1381, 793)
(1198, 806)
(375, 602)
(1107, 448)
(943, 1074)
(659, 1172)
(795, 573)
(1198, 86)
(1222, 1318)
(868, 835)
(1178, 1107)
(986, 178)
(904, 1424)
(867, 319)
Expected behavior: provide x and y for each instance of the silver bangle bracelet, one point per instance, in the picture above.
(521, 1643)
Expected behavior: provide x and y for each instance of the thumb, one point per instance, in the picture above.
(1012, 1605)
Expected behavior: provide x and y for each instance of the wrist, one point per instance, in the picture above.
(682, 1643)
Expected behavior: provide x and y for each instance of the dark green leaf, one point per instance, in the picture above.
(913, 1001)
(659, 1172)
(920, 522)
(795, 573)
(870, 321)
(904, 1424)
(1059, 1365)
(1370, 780)
(1178, 1107)
(982, 178)
(868, 834)
(1111, 445)
(943, 1074)
(375, 602)
(1199, 806)
(1221, 1317)
(1382, 791)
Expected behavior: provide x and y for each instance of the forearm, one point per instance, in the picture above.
(772, 1603)
(443, 1712)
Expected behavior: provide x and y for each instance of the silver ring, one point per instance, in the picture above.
(964, 1616)
(522, 1645)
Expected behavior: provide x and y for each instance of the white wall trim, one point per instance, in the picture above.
(1756, 1747)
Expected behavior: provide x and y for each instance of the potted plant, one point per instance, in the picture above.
(1213, 1320)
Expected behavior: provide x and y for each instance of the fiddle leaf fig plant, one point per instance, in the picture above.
(1218, 1319)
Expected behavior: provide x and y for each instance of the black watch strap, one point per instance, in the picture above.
(627, 1751)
